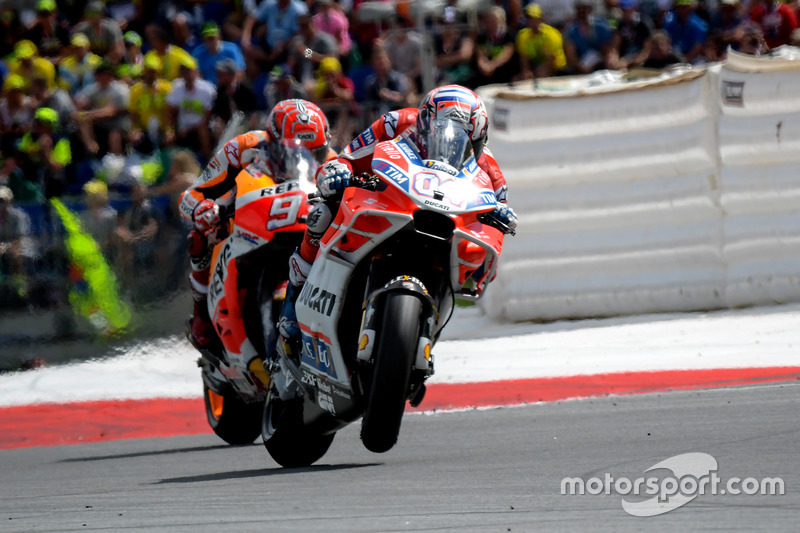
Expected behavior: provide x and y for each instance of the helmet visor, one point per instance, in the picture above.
(448, 142)
(290, 160)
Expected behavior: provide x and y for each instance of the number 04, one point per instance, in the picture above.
(284, 212)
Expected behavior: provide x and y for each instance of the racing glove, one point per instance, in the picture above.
(206, 216)
(333, 178)
(506, 217)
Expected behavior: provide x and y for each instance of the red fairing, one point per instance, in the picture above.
(272, 214)
(354, 199)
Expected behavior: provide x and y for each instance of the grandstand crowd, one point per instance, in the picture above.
(119, 103)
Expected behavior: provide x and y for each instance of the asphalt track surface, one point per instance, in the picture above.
(479, 470)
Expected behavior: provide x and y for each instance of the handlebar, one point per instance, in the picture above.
(362, 181)
(370, 182)
(486, 218)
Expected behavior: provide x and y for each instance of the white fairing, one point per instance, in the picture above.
(318, 307)
(431, 184)
(320, 302)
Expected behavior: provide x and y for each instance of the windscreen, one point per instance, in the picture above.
(448, 142)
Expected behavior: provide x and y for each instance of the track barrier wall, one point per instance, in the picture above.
(677, 193)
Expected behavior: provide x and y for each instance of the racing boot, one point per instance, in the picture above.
(288, 326)
(200, 330)
(287, 323)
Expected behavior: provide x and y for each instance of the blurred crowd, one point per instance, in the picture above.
(118, 104)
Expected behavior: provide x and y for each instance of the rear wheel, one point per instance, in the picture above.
(288, 442)
(233, 420)
(394, 356)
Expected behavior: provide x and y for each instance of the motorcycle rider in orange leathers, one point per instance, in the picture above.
(200, 204)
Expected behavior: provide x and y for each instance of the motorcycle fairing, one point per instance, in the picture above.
(259, 203)
(431, 184)
(275, 209)
(318, 315)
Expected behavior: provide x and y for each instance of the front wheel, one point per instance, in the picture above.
(233, 420)
(288, 442)
(394, 357)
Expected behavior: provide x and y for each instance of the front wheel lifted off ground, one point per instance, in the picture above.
(394, 356)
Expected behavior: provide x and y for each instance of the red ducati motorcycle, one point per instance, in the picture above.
(401, 248)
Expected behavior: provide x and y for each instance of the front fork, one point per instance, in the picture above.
(370, 321)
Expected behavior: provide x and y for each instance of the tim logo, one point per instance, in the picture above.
(733, 93)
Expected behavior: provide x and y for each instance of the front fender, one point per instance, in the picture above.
(408, 285)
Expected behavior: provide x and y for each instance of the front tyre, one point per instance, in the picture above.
(288, 442)
(233, 420)
(394, 357)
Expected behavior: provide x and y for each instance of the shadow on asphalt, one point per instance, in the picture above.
(261, 472)
(157, 452)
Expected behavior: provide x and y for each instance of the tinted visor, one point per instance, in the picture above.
(290, 160)
(448, 142)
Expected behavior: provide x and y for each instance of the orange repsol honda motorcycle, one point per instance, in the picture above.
(249, 273)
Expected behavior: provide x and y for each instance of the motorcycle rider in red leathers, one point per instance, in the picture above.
(200, 204)
(452, 101)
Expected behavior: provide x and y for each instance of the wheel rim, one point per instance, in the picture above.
(215, 402)
(267, 426)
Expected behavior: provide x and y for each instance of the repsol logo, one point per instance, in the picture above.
(318, 299)
(280, 189)
(252, 239)
(219, 271)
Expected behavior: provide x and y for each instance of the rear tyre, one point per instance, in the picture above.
(288, 442)
(394, 356)
(233, 420)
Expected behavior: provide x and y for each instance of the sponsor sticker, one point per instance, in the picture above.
(733, 93)
(500, 119)
(316, 354)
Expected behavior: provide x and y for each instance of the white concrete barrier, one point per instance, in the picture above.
(759, 145)
(650, 197)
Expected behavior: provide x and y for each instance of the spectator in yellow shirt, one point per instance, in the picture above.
(77, 69)
(148, 107)
(27, 63)
(171, 56)
(540, 47)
